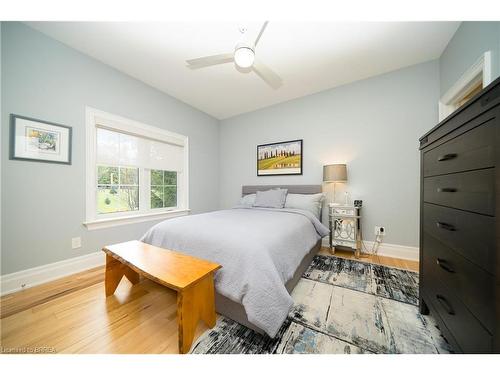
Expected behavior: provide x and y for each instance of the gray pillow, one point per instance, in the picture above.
(274, 198)
(309, 202)
(247, 200)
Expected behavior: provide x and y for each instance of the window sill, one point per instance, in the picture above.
(132, 219)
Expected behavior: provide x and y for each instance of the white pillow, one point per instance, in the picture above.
(308, 202)
(248, 200)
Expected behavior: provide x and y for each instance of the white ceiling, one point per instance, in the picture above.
(309, 56)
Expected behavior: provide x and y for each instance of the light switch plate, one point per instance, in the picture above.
(76, 242)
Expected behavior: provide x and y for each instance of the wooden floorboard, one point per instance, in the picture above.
(404, 264)
(19, 301)
(72, 314)
(138, 318)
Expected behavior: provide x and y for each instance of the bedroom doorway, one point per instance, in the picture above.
(477, 77)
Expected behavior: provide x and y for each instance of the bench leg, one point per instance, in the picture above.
(115, 270)
(194, 303)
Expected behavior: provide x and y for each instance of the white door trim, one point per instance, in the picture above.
(479, 71)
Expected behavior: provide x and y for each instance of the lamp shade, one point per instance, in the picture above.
(335, 173)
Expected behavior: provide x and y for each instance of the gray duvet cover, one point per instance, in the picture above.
(259, 250)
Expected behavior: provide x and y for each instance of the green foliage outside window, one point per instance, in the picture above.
(117, 189)
(163, 188)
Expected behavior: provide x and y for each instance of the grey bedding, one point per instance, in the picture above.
(259, 250)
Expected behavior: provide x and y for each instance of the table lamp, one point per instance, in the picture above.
(334, 173)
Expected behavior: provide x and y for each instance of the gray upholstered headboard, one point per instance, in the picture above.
(293, 189)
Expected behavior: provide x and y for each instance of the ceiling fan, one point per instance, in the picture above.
(244, 58)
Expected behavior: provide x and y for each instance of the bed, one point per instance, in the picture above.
(263, 252)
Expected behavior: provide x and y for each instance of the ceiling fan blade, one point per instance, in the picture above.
(261, 32)
(267, 75)
(202, 62)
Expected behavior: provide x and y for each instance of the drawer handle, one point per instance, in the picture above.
(444, 265)
(447, 157)
(446, 305)
(446, 190)
(446, 226)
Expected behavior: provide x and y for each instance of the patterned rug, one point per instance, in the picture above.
(340, 306)
(393, 283)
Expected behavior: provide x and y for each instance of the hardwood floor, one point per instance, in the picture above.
(138, 319)
(17, 302)
(404, 264)
(72, 315)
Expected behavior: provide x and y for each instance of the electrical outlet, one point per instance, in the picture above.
(380, 231)
(76, 242)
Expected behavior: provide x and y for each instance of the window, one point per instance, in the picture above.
(135, 172)
(117, 189)
(163, 188)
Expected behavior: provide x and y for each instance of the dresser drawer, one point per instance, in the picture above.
(473, 285)
(469, 234)
(470, 191)
(470, 335)
(471, 150)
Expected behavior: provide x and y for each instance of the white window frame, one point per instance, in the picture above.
(480, 71)
(95, 118)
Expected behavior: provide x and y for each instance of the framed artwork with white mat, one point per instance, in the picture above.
(37, 140)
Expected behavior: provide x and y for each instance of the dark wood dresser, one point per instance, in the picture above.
(459, 233)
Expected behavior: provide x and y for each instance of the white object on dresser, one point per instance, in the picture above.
(345, 227)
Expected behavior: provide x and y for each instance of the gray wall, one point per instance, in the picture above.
(43, 205)
(373, 125)
(471, 40)
(0, 146)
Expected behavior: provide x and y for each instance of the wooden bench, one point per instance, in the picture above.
(190, 277)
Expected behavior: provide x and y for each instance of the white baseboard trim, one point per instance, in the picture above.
(390, 250)
(17, 281)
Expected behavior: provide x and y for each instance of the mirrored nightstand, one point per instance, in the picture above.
(345, 227)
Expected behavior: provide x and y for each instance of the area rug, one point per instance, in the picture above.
(340, 306)
(393, 283)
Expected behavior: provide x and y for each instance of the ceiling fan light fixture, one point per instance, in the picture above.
(244, 56)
